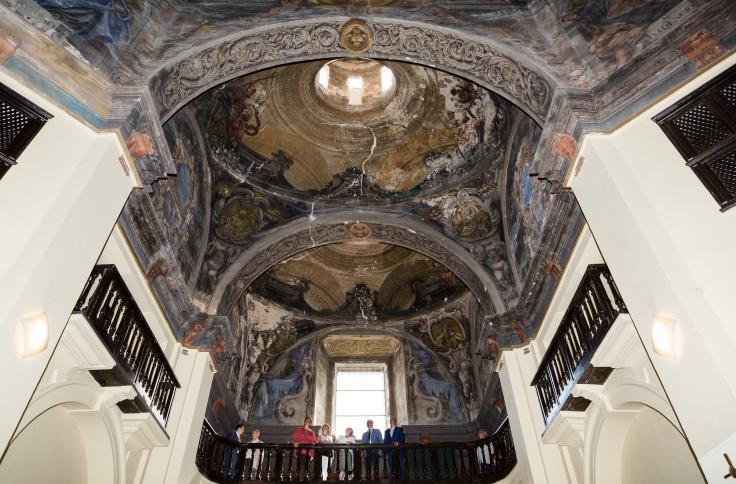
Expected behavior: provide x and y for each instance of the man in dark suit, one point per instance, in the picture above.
(371, 436)
(395, 435)
(230, 459)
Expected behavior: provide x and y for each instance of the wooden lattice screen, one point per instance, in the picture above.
(20, 121)
(702, 126)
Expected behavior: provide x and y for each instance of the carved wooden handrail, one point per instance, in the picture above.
(488, 460)
(591, 313)
(111, 310)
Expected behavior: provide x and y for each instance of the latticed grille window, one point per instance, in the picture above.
(20, 121)
(702, 126)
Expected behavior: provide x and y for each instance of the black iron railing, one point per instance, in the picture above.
(225, 461)
(111, 310)
(592, 311)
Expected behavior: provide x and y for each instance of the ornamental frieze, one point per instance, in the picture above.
(177, 84)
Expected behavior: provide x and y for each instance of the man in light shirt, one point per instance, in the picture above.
(483, 451)
(371, 436)
(253, 457)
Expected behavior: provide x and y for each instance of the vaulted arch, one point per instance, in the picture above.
(303, 234)
(484, 61)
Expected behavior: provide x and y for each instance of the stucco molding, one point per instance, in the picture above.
(480, 60)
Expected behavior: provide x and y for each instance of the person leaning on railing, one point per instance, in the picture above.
(304, 435)
(253, 458)
(345, 458)
(484, 452)
(371, 457)
(326, 437)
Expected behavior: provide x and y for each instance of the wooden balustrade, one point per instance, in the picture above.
(225, 461)
(591, 313)
(108, 306)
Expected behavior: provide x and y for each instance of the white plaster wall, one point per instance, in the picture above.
(194, 369)
(57, 207)
(654, 452)
(670, 251)
(50, 450)
(543, 463)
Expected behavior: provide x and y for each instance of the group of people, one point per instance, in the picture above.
(253, 457)
(305, 435)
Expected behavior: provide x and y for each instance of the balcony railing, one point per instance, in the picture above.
(592, 311)
(487, 460)
(108, 306)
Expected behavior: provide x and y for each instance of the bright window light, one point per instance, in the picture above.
(663, 332)
(387, 79)
(360, 395)
(323, 78)
(355, 82)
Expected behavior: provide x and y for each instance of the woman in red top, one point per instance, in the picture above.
(304, 435)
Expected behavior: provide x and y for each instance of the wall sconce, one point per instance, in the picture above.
(35, 334)
(663, 332)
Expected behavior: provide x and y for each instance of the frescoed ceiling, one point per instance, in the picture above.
(580, 42)
(331, 280)
(372, 161)
(282, 147)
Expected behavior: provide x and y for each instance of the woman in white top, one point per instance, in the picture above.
(326, 437)
(345, 457)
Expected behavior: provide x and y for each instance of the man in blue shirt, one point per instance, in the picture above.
(395, 435)
(371, 436)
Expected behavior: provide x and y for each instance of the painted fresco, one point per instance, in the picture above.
(100, 28)
(281, 133)
(266, 377)
(344, 280)
(286, 395)
(493, 407)
(271, 331)
(184, 26)
(526, 198)
(279, 151)
(221, 413)
(432, 398)
(129, 39)
(447, 333)
(615, 31)
(239, 215)
(180, 201)
(263, 150)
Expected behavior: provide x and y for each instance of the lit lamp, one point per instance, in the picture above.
(35, 334)
(663, 332)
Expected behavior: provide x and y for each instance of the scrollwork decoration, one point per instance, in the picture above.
(174, 85)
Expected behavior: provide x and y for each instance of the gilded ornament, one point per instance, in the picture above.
(446, 333)
(238, 219)
(360, 230)
(356, 36)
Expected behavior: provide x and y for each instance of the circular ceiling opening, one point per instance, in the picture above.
(355, 84)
